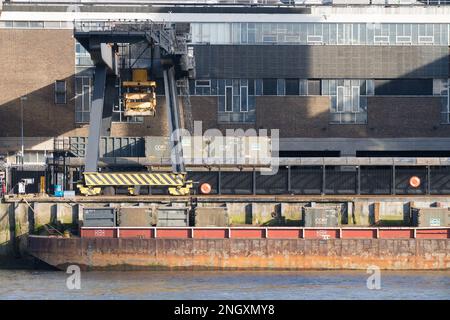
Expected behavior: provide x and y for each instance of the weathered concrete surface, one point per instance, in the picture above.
(113, 253)
(18, 220)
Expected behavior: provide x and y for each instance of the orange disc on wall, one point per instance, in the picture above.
(205, 188)
(414, 181)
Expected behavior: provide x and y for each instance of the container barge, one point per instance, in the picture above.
(157, 236)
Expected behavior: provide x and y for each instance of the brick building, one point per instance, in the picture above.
(351, 80)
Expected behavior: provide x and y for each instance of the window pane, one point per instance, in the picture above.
(340, 99)
(281, 87)
(251, 87)
(270, 87)
(258, 87)
(244, 105)
(292, 87)
(303, 87)
(228, 99)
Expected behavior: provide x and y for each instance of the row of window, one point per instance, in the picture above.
(296, 33)
(37, 24)
(278, 87)
(322, 33)
(348, 97)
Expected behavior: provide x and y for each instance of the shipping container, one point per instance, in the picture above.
(211, 217)
(172, 216)
(99, 217)
(430, 217)
(136, 217)
(321, 217)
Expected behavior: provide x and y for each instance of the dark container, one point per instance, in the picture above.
(99, 217)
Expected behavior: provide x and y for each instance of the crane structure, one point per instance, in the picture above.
(170, 60)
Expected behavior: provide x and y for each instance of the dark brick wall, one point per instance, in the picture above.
(388, 117)
(30, 63)
(302, 61)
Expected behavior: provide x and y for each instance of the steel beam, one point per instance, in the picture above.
(173, 118)
(95, 120)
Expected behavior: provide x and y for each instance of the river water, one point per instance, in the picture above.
(185, 285)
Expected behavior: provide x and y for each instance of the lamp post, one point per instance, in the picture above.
(22, 100)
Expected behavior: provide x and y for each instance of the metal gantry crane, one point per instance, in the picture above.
(169, 57)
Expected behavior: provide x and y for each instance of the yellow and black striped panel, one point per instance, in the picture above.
(133, 179)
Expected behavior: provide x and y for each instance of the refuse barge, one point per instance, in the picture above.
(114, 248)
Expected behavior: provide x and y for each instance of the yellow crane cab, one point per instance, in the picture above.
(139, 96)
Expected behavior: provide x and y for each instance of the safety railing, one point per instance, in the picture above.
(323, 233)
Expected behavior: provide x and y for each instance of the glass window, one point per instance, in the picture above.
(243, 33)
(325, 88)
(303, 87)
(52, 24)
(355, 98)
(251, 87)
(36, 24)
(251, 33)
(221, 86)
(6, 24)
(202, 83)
(60, 92)
(270, 87)
(244, 100)
(292, 87)
(370, 87)
(20, 24)
(340, 99)
(281, 87)
(228, 99)
(258, 87)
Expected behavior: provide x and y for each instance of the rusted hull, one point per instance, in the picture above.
(134, 253)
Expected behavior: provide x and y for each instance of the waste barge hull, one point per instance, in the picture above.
(247, 248)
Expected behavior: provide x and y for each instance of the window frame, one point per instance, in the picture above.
(62, 92)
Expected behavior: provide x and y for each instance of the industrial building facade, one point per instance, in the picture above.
(335, 80)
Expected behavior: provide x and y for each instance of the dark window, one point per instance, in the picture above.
(270, 87)
(229, 99)
(404, 87)
(292, 87)
(251, 87)
(60, 91)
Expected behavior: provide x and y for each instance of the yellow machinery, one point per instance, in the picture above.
(95, 181)
(140, 97)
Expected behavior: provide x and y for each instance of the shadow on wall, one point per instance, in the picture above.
(42, 117)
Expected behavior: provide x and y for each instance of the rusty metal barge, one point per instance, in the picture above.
(289, 233)
(394, 248)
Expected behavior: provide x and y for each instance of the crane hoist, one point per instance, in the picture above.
(169, 55)
(139, 98)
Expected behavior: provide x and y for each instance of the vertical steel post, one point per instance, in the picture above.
(323, 179)
(358, 180)
(173, 118)
(428, 180)
(254, 181)
(289, 179)
(95, 120)
(219, 181)
(393, 180)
